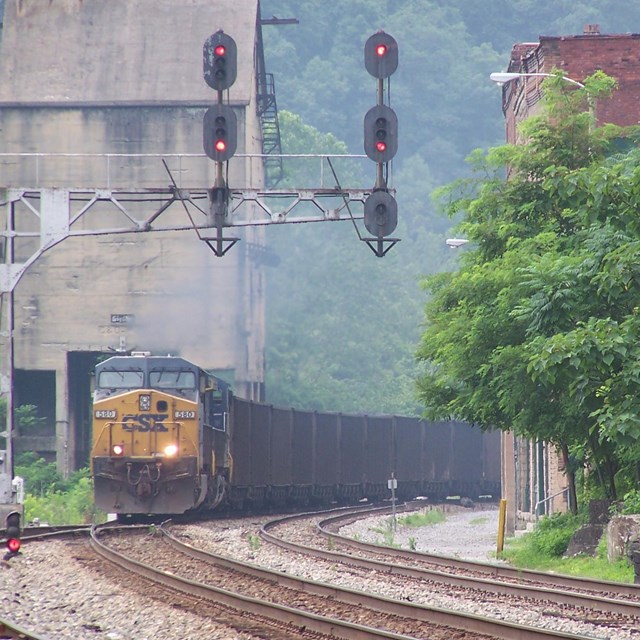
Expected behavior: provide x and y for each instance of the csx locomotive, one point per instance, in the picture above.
(168, 437)
(160, 440)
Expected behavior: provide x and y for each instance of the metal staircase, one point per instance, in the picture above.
(271, 147)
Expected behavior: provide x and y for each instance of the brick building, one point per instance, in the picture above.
(533, 477)
(577, 57)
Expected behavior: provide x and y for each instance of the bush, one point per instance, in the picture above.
(39, 475)
(72, 507)
(552, 535)
(631, 502)
(51, 498)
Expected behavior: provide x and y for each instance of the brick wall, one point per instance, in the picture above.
(616, 55)
(578, 57)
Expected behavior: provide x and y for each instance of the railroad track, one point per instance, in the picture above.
(604, 597)
(616, 605)
(11, 631)
(300, 604)
(306, 608)
(329, 529)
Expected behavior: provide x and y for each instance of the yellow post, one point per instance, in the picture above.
(501, 520)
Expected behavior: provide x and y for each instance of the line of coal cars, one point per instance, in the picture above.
(169, 437)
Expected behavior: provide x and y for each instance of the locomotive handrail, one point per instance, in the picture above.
(96, 440)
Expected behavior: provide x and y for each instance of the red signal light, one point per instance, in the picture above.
(13, 545)
(220, 146)
(381, 50)
(381, 146)
(13, 534)
(220, 50)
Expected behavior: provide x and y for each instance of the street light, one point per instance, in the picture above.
(454, 243)
(502, 77)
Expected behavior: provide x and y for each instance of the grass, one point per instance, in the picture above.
(412, 520)
(542, 550)
(422, 519)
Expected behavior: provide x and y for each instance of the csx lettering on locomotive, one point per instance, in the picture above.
(145, 422)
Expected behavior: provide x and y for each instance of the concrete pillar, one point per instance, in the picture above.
(64, 438)
(508, 479)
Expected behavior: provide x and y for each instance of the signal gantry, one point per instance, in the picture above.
(220, 141)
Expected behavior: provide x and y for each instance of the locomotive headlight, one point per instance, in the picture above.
(118, 449)
(171, 450)
(144, 402)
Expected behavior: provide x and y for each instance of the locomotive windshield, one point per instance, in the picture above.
(165, 379)
(120, 379)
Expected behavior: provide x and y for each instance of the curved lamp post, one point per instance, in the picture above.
(507, 76)
(454, 243)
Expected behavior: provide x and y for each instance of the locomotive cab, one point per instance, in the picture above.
(155, 422)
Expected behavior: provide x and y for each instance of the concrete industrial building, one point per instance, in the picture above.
(97, 82)
(533, 478)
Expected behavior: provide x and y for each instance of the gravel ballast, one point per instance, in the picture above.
(54, 587)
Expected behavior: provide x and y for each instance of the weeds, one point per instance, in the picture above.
(254, 541)
(423, 519)
(387, 532)
(542, 550)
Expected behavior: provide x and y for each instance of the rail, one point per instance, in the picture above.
(9, 630)
(540, 502)
(329, 527)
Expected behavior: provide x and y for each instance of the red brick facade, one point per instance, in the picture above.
(578, 57)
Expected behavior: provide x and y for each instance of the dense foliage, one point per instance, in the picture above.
(537, 332)
(343, 325)
(48, 496)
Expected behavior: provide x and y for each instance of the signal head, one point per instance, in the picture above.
(380, 213)
(381, 133)
(219, 60)
(13, 543)
(219, 130)
(381, 55)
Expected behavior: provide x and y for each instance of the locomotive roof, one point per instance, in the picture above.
(145, 363)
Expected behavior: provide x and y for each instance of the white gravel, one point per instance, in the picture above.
(47, 589)
(467, 534)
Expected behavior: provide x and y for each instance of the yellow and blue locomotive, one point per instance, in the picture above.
(160, 436)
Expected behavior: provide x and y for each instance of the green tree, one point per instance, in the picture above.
(491, 346)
